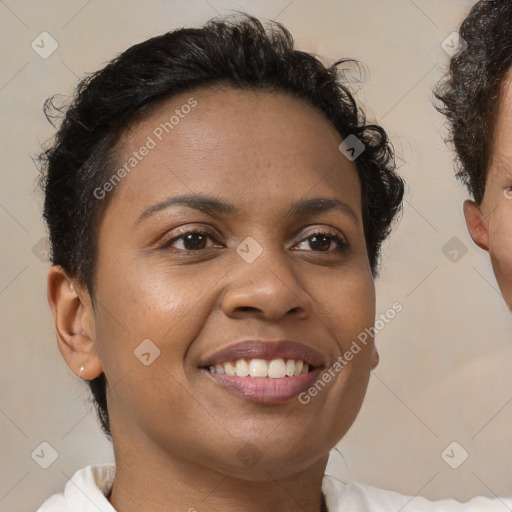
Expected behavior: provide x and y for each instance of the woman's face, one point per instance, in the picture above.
(269, 269)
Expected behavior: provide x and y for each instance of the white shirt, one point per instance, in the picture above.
(88, 488)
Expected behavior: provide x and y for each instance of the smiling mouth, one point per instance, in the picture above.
(275, 381)
(278, 368)
(264, 371)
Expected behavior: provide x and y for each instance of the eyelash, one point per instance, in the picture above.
(342, 244)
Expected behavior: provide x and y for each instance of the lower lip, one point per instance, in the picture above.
(265, 389)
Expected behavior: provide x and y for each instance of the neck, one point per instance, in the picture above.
(148, 478)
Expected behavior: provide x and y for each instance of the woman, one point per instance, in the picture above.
(216, 205)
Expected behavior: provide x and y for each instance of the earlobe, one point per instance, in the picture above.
(476, 225)
(74, 323)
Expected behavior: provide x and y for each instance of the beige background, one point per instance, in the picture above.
(445, 359)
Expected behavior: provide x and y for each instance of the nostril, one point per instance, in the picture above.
(247, 308)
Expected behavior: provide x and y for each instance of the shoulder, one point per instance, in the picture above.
(347, 497)
(85, 491)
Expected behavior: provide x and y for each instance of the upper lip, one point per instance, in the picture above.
(262, 349)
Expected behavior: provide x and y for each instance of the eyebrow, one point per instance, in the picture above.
(314, 205)
(214, 206)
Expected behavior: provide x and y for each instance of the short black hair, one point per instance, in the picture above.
(239, 53)
(471, 91)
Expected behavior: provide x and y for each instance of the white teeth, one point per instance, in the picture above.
(274, 369)
(242, 368)
(258, 368)
(230, 368)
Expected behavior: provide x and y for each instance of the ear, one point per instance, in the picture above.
(73, 316)
(375, 357)
(476, 224)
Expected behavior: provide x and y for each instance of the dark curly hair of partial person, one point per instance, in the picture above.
(239, 53)
(470, 93)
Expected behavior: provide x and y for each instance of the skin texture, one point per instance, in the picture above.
(177, 435)
(489, 224)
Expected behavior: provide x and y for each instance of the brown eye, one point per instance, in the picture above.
(322, 241)
(193, 240)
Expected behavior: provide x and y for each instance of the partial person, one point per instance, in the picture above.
(476, 97)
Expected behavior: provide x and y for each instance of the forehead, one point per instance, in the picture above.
(247, 144)
(501, 154)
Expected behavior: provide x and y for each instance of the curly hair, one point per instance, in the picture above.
(239, 53)
(470, 92)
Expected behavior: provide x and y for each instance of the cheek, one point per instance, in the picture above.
(500, 248)
(356, 317)
(500, 237)
(145, 324)
(346, 306)
(141, 303)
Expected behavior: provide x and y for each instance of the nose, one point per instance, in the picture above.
(268, 287)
